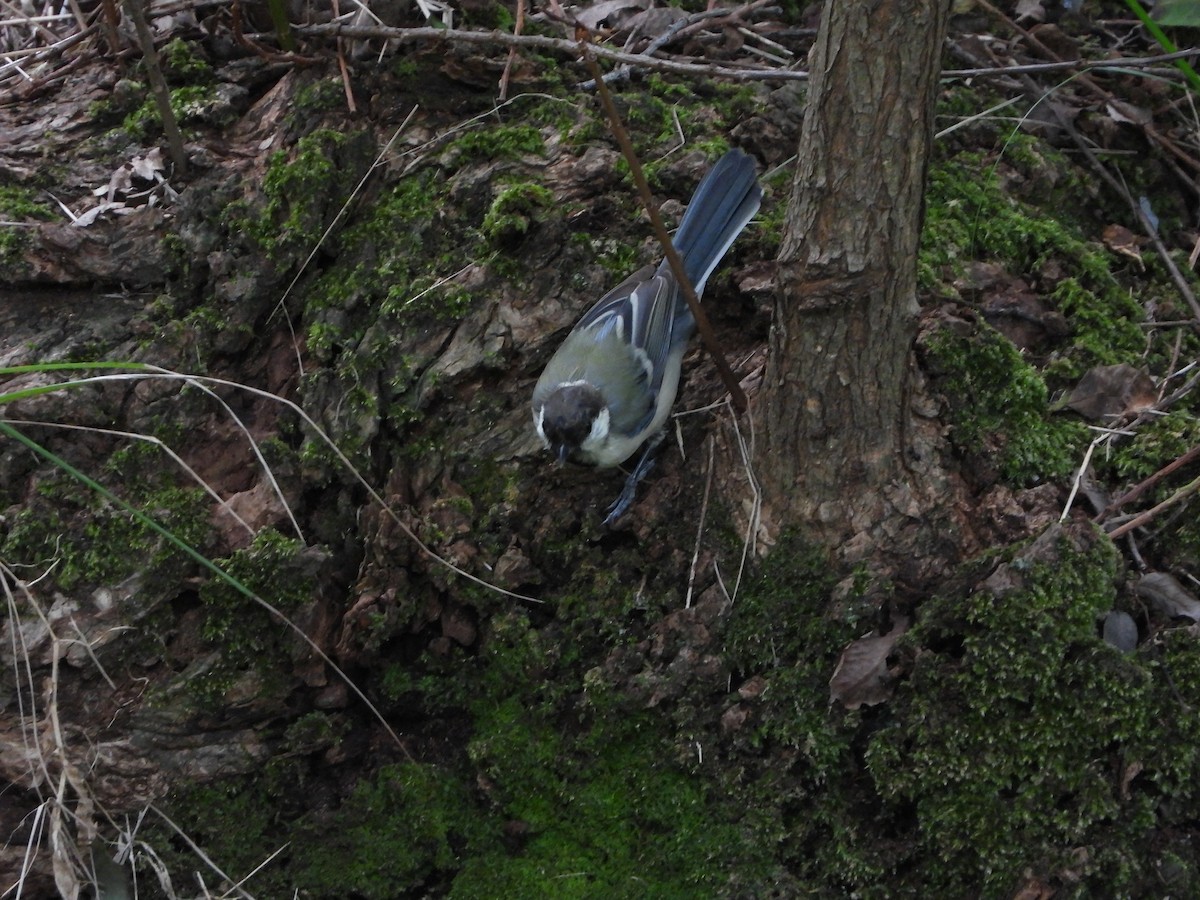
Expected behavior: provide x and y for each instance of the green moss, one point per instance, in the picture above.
(273, 568)
(493, 486)
(404, 68)
(807, 808)
(253, 645)
(16, 205)
(780, 606)
(604, 808)
(505, 142)
(229, 820)
(191, 102)
(768, 224)
(390, 284)
(404, 255)
(607, 807)
(559, 113)
(317, 97)
(489, 15)
(971, 216)
(427, 295)
(609, 814)
(1007, 745)
(188, 103)
(1104, 325)
(515, 207)
(400, 833)
(619, 259)
(1157, 442)
(184, 63)
(312, 731)
(1008, 749)
(999, 405)
(193, 94)
(300, 187)
(93, 544)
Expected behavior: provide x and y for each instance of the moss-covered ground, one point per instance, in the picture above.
(610, 741)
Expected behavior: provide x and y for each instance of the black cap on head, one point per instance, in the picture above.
(568, 416)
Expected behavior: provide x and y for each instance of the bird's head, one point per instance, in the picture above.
(573, 421)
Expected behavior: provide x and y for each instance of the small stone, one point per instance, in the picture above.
(333, 696)
(753, 688)
(734, 718)
(514, 569)
(1120, 630)
(458, 624)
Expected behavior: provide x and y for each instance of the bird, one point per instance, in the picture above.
(609, 387)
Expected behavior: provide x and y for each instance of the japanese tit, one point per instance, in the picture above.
(610, 386)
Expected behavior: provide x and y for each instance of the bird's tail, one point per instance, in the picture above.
(723, 203)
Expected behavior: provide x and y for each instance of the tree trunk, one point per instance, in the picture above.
(833, 401)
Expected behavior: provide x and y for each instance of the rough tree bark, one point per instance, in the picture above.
(833, 402)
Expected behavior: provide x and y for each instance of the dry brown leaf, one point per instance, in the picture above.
(150, 167)
(655, 21)
(1132, 771)
(1011, 306)
(1062, 44)
(1108, 392)
(1033, 889)
(1030, 11)
(1120, 239)
(1120, 111)
(1169, 597)
(860, 678)
(121, 191)
(95, 212)
(609, 13)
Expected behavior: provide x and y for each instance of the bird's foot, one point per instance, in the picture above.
(640, 471)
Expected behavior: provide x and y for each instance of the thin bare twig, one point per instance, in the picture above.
(1034, 91)
(1141, 519)
(1068, 65)
(687, 603)
(518, 27)
(158, 85)
(1146, 484)
(677, 29)
(1080, 474)
(1091, 84)
(570, 47)
(707, 335)
(347, 89)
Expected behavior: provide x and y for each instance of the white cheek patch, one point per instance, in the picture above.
(538, 418)
(599, 433)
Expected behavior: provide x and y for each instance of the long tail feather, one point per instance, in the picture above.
(723, 203)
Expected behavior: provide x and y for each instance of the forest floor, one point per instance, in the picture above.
(297, 605)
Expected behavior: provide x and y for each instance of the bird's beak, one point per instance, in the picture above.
(563, 452)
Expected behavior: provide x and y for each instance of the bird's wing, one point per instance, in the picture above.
(642, 311)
